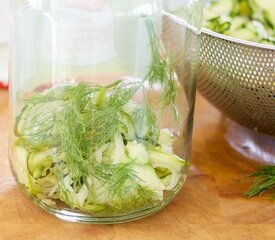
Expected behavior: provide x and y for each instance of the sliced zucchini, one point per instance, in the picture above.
(33, 115)
(93, 207)
(268, 19)
(222, 7)
(237, 23)
(251, 20)
(162, 172)
(167, 175)
(259, 27)
(148, 178)
(126, 126)
(99, 193)
(39, 163)
(21, 120)
(167, 167)
(167, 181)
(244, 33)
(44, 187)
(99, 152)
(118, 155)
(21, 164)
(165, 137)
(137, 152)
(156, 157)
(80, 197)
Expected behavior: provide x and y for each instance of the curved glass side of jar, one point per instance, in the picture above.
(101, 101)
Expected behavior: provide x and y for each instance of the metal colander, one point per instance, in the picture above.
(238, 77)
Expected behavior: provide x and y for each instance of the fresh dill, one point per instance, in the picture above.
(161, 70)
(264, 182)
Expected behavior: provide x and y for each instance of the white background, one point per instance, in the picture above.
(4, 16)
(4, 22)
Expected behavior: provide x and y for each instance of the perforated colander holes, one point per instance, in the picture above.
(240, 80)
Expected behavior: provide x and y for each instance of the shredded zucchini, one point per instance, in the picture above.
(251, 20)
(65, 153)
(94, 148)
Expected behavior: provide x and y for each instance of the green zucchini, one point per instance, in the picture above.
(149, 179)
(251, 20)
(157, 156)
(167, 167)
(39, 163)
(21, 155)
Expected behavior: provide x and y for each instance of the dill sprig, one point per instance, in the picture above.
(71, 130)
(146, 122)
(161, 70)
(264, 182)
(105, 120)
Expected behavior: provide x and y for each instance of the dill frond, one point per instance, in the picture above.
(162, 71)
(264, 182)
(145, 120)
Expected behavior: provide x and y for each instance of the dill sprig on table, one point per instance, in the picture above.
(264, 182)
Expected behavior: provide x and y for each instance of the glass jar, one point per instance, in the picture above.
(101, 102)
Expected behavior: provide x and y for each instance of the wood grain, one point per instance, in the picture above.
(210, 205)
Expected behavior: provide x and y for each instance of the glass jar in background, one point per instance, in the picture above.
(101, 101)
(4, 20)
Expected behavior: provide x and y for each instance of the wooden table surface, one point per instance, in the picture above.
(210, 205)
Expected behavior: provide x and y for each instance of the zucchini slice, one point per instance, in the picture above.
(167, 175)
(157, 156)
(39, 163)
(21, 164)
(21, 120)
